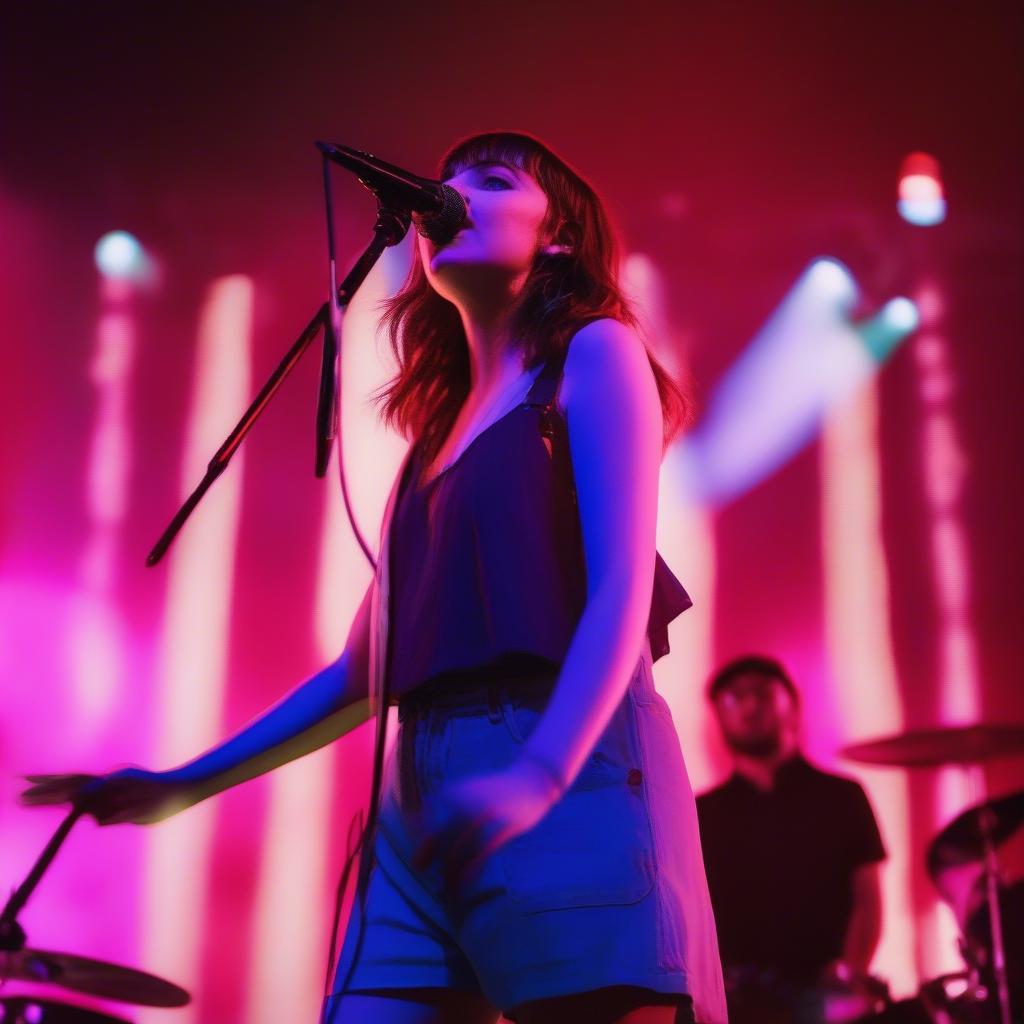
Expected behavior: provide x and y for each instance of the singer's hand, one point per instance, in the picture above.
(466, 821)
(129, 795)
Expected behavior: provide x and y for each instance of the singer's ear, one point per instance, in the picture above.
(564, 240)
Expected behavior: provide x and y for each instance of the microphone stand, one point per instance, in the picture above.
(327, 401)
(390, 228)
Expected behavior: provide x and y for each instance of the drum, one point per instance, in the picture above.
(758, 996)
(29, 1010)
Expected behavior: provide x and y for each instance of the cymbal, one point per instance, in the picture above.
(94, 977)
(952, 744)
(962, 840)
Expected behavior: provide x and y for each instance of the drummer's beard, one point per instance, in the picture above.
(764, 746)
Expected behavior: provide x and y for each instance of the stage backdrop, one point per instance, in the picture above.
(856, 517)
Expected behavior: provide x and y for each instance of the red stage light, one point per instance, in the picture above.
(921, 199)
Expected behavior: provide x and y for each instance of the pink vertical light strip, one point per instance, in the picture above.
(191, 674)
(686, 541)
(294, 892)
(95, 641)
(293, 899)
(303, 841)
(944, 468)
(860, 650)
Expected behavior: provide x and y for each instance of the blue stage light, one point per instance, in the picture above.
(119, 254)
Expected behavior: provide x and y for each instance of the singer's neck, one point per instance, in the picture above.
(493, 356)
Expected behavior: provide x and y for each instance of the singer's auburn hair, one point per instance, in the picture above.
(562, 292)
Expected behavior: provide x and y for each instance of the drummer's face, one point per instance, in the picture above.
(757, 714)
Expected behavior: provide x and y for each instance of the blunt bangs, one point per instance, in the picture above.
(510, 148)
(571, 199)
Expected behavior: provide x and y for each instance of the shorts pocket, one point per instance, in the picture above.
(594, 848)
(521, 719)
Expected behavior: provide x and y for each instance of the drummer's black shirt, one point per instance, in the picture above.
(779, 866)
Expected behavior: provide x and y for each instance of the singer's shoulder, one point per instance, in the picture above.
(615, 444)
(606, 358)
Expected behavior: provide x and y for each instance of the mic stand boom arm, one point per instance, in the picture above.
(390, 229)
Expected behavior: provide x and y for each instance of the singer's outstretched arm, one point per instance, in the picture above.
(326, 706)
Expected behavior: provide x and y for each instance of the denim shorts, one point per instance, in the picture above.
(592, 896)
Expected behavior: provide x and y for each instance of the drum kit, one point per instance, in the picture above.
(989, 991)
(41, 969)
(990, 913)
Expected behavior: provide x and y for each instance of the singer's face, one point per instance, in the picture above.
(506, 209)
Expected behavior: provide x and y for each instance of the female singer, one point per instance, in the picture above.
(535, 848)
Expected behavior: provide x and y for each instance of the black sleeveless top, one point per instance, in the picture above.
(486, 560)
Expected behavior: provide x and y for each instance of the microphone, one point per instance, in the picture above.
(439, 209)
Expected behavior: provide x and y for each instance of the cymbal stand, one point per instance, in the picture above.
(991, 875)
(12, 935)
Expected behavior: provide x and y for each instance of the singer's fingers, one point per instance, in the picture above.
(437, 833)
(424, 853)
(58, 780)
(56, 789)
(464, 861)
(48, 794)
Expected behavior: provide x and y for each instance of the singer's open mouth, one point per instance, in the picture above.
(442, 245)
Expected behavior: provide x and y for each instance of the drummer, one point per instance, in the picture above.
(792, 854)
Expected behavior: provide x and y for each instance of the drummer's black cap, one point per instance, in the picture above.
(751, 664)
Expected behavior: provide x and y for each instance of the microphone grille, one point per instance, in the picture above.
(441, 227)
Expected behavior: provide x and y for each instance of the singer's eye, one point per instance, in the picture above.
(495, 182)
